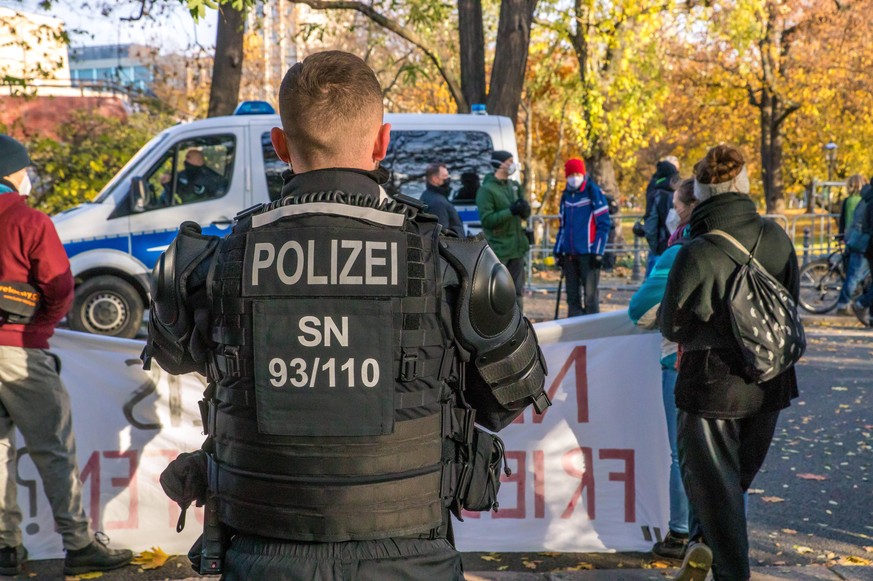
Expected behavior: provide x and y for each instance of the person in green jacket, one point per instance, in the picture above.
(502, 208)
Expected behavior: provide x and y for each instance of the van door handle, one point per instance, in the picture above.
(222, 222)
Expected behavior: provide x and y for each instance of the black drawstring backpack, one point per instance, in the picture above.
(763, 314)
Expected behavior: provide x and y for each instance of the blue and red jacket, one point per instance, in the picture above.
(584, 221)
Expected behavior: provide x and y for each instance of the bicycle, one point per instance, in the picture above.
(822, 280)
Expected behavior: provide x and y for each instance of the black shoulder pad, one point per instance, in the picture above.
(486, 314)
(249, 211)
(171, 317)
(410, 201)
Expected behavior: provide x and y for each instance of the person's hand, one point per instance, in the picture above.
(559, 260)
(524, 213)
(596, 260)
(515, 207)
(185, 480)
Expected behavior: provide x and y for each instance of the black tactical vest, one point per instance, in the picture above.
(332, 418)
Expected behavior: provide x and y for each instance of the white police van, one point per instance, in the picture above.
(207, 171)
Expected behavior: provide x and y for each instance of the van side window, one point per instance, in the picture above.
(194, 170)
(273, 167)
(410, 152)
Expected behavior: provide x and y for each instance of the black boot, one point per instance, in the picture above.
(672, 547)
(11, 559)
(95, 557)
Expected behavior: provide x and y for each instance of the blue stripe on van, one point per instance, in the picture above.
(75, 247)
(469, 215)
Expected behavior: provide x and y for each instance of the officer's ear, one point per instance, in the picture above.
(280, 144)
(380, 148)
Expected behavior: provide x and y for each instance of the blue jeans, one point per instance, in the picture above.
(856, 271)
(678, 499)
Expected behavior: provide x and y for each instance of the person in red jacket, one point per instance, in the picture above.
(32, 397)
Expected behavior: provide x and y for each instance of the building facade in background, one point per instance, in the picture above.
(123, 65)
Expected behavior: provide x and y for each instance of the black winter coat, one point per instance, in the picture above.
(694, 312)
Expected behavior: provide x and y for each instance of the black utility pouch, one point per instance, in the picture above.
(480, 491)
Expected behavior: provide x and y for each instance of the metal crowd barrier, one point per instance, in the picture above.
(813, 236)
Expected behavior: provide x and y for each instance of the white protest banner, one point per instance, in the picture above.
(588, 475)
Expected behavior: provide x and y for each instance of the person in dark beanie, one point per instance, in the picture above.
(659, 201)
(726, 420)
(436, 196)
(581, 240)
(502, 208)
(32, 397)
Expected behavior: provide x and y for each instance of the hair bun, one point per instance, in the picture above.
(721, 164)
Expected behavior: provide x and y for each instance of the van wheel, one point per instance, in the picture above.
(107, 305)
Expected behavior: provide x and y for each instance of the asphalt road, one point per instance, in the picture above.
(812, 503)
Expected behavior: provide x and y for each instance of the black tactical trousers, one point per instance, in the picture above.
(251, 557)
(580, 274)
(718, 460)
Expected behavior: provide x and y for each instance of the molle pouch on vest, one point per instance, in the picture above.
(481, 477)
(178, 292)
(19, 302)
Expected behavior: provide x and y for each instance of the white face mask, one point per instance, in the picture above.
(672, 220)
(511, 169)
(26, 186)
(575, 182)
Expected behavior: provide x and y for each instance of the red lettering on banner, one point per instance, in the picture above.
(170, 455)
(519, 476)
(129, 482)
(628, 477)
(92, 471)
(539, 484)
(579, 360)
(586, 480)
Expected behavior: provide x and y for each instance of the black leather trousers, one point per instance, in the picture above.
(718, 460)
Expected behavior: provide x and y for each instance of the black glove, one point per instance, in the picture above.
(524, 213)
(516, 207)
(595, 260)
(559, 260)
(185, 480)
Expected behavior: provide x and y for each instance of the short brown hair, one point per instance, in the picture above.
(685, 191)
(432, 170)
(721, 164)
(329, 104)
(854, 184)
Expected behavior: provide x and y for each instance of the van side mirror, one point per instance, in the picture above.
(138, 196)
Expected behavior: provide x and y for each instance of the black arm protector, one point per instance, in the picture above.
(507, 371)
(178, 289)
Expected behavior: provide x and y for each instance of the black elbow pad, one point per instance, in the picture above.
(507, 371)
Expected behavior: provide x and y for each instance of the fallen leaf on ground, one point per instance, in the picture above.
(812, 477)
(868, 549)
(489, 558)
(154, 558)
(853, 560)
(772, 499)
(531, 564)
(503, 567)
(789, 531)
(803, 550)
(94, 575)
(580, 566)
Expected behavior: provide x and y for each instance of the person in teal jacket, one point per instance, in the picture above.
(502, 208)
(643, 311)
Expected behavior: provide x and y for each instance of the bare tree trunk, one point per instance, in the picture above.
(552, 185)
(227, 66)
(471, 34)
(602, 171)
(510, 57)
(527, 164)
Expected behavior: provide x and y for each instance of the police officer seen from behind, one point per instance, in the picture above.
(349, 348)
(436, 197)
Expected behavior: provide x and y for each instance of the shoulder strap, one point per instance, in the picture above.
(748, 256)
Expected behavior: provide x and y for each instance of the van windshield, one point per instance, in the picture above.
(123, 174)
(410, 152)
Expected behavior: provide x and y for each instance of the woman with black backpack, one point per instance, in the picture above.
(726, 417)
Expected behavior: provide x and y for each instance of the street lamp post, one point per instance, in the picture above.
(831, 157)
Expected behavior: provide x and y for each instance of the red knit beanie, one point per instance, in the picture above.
(574, 165)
